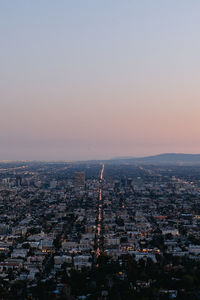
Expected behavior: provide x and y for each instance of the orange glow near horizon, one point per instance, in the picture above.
(82, 85)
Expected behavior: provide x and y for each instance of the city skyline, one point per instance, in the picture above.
(96, 80)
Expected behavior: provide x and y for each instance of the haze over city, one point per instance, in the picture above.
(98, 79)
(99, 150)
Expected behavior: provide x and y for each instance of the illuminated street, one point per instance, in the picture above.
(99, 225)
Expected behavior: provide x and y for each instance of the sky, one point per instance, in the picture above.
(98, 79)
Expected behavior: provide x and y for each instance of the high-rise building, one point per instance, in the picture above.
(53, 184)
(80, 179)
(129, 181)
(18, 180)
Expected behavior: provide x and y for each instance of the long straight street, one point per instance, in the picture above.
(100, 215)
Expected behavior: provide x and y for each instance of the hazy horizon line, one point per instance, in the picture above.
(95, 159)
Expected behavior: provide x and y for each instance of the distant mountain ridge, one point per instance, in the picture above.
(165, 158)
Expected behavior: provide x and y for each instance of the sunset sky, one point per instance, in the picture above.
(97, 79)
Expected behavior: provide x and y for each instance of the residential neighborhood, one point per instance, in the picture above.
(54, 226)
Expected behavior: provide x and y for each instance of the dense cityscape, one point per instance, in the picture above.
(99, 150)
(99, 230)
